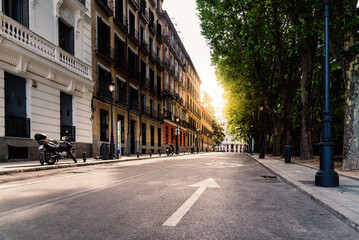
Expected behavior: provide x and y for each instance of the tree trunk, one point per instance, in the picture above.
(276, 137)
(351, 129)
(306, 149)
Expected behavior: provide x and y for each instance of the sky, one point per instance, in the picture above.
(184, 17)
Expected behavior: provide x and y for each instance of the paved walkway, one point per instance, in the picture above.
(342, 201)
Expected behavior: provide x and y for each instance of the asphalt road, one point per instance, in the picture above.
(207, 196)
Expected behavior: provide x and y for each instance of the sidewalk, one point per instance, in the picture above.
(342, 201)
(29, 166)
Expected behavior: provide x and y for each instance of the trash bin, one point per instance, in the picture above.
(288, 153)
(104, 151)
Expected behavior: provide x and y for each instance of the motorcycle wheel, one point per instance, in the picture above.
(50, 158)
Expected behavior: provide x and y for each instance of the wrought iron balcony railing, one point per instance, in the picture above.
(122, 99)
(134, 104)
(17, 126)
(103, 90)
(121, 20)
(104, 5)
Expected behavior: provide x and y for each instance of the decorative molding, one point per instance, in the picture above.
(8, 57)
(32, 3)
(67, 15)
(84, 89)
(21, 66)
(78, 21)
(71, 87)
(58, 6)
(50, 75)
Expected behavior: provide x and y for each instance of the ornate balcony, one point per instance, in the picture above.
(17, 127)
(104, 6)
(14, 31)
(121, 22)
(145, 81)
(133, 34)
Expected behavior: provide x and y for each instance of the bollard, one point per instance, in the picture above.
(288, 154)
(159, 152)
(138, 154)
(84, 156)
(151, 153)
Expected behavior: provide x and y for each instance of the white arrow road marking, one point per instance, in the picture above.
(178, 215)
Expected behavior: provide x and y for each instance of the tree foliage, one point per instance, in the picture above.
(272, 51)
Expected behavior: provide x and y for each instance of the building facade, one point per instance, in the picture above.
(45, 74)
(207, 131)
(127, 49)
(58, 60)
(181, 92)
(228, 144)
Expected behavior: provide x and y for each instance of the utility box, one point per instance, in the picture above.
(104, 151)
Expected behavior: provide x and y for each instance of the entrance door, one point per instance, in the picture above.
(132, 143)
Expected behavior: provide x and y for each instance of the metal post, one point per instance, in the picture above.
(261, 149)
(112, 139)
(326, 176)
(177, 131)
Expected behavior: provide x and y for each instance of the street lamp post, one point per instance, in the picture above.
(326, 176)
(207, 142)
(111, 86)
(177, 132)
(261, 148)
(252, 138)
(198, 140)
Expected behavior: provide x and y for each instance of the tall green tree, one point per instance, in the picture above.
(251, 46)
(345, 49)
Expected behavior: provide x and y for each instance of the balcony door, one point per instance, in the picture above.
(16, 123)
(66, 116)
(17, 10)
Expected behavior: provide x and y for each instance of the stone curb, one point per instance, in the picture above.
(81, 164)
(311, 195)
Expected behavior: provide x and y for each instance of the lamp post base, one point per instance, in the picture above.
(261, 153)
(327, 178)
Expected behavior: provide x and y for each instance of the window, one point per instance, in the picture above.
(119, 10)
(66, 37)
(120, 52)
(180, 141)
(184, 139)
(166, 134)
(17, 10)
(171, 135)
(144, 134)
(159, 136)
(104, 125)
(133, 64)
(122, 119)
(152, 136)
(121, 92)
(103, 79)
(103, 38)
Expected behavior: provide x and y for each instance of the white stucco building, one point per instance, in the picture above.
(45, 74)
(228, 145)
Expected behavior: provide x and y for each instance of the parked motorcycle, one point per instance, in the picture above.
(51, 150)
(170, 149)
